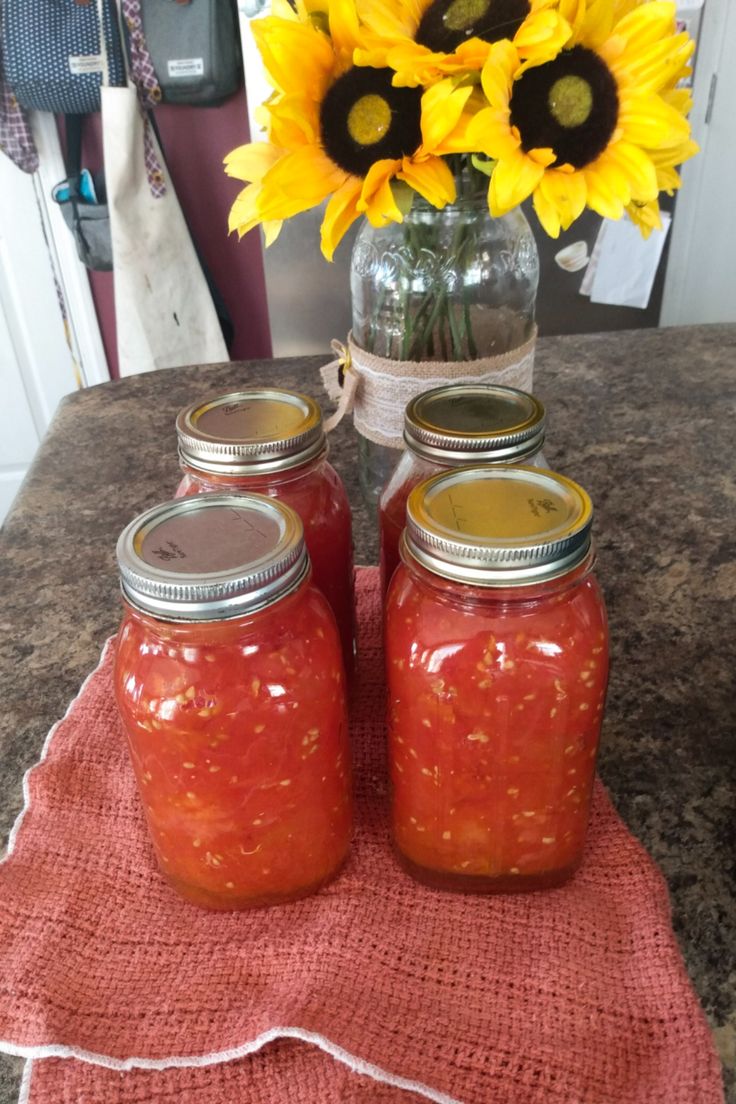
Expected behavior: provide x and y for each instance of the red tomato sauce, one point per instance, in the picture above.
(239, 741)
(316, 492)
(495, 709)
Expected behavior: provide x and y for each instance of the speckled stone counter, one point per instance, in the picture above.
(645, 420)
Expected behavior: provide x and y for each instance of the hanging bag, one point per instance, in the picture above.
(195, 49)
(164, 312)
(81, 198)
(52, 54)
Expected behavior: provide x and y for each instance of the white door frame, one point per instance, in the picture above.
(84, 329)
(700, 252)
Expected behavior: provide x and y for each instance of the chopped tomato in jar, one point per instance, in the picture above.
(318, 495)
(495, 715)
(497, 667)
(271, 441)
(231, 690)
(448, 427)
(238, 736)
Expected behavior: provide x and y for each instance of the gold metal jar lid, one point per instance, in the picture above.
(498, 526)
(211, 557)
(262, 429)
(466, 423)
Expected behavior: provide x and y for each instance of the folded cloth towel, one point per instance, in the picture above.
(282, 1072)
(577, 995)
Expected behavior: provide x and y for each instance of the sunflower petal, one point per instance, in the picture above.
(340, 214)
(667, 161)
(432, 178)
(458, 141)
(647, 24)
(514, 179)
(252, 161)
(543, 157)
(296, 55)
(547, 213)
(541, 36)
(498, 74)
(244, 211)
(414, 64)
(298, 181)
(559, 199)
(646, 216)
(679, 98)
(390, 21)
(638, 167)
(293, 122)
(603, 195)
(371, 56)
(472, 54)
(271, 230)
(344, 27)
(377, 200)
(490, 133)
(650, 122)
(442, 106)
(654, 67)
(591, 23)
(574, 13)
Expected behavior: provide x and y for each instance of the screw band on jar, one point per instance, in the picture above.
(211, 557)
(474, 423)
(264, 429)
(498, 526)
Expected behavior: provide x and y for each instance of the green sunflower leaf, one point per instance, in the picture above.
(403, 195)
(320, 21)
(483, 164)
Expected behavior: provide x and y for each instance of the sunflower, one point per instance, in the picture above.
(426, 40)
(647, 215)
(598, 125)
(339, 130)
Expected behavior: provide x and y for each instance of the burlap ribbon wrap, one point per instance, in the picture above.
(377, 390)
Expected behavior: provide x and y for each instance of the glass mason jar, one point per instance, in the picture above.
(271, 441)
(230, 687)
(445, 285)
(448, 427)
(497, 666)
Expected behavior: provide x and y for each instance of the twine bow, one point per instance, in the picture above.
(341, 382)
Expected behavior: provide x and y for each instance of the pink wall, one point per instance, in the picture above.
(195, 141)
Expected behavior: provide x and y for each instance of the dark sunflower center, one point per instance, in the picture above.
(364, 119)
(569, 105)
(447, 23)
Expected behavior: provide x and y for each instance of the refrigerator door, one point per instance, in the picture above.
(308, 298)
(563, 263)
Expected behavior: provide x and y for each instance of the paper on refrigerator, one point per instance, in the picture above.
(623, 265)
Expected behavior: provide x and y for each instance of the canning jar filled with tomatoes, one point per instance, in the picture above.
(231, 690)
(272, 441)
(497, 665)
(451, 426)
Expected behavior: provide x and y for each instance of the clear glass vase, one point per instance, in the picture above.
(446, 285)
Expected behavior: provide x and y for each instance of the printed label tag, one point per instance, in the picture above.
(186, 67)
(85, 63)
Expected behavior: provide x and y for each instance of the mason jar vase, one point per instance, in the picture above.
(451, 285)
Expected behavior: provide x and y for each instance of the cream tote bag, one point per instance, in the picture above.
(163, 309)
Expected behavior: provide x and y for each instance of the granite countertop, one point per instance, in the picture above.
(644, 420)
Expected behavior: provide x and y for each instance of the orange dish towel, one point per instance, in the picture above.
(375, 990)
